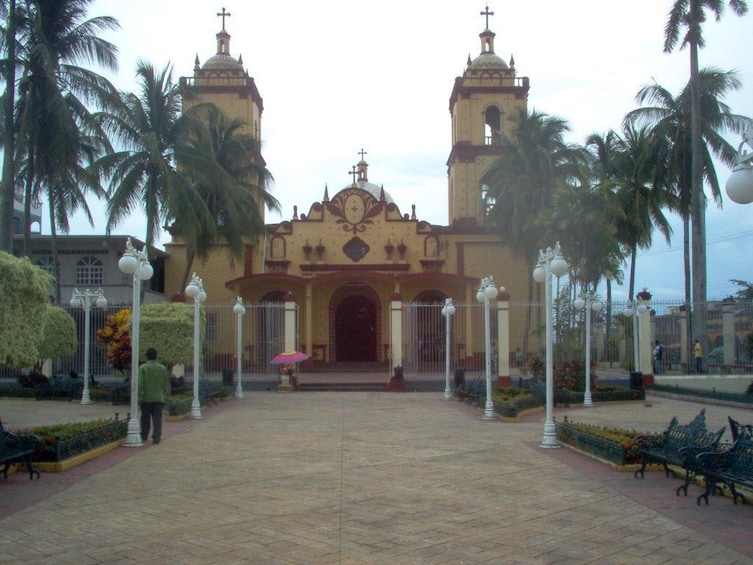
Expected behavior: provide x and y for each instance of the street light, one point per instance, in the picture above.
(487, 292)
(195, 290)
(589, 302)
(135, 263)
(550, 263)
(635, 309)
(239, 310)
(85, 300)
(447, 311)
(740, 183)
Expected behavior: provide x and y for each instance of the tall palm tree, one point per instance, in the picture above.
(690, 15)
(642, 193)
(56, 136)
(11, 23)
(148, 126)
(522, 181)
(229, 180)
(669, 118)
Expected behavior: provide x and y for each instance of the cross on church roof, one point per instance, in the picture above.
(486, 13)
(353, 172)
(362, 153)
(225, 14)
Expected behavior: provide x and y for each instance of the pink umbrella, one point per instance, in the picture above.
(288, 357)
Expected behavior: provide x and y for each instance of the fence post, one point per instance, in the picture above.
(396, 331)
(290, 325)
(503, 340)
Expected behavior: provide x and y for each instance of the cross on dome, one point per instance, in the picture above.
(486, 13)
(225, 14)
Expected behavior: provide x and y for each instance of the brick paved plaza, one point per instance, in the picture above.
(363, 477)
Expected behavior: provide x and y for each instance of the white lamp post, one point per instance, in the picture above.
(447, 311)
(550, 263)
(135, 263)
(239, 310)
(635, 309)
(487, 292)
(589, 302)
(85, 300)
(195, 290)
(740, 183)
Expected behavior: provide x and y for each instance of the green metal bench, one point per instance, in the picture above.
(731, 468)
(17, 449)
(678, 445)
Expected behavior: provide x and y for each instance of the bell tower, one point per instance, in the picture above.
(222, 81)
(481, 104)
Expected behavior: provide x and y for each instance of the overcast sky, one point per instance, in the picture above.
(337, 76)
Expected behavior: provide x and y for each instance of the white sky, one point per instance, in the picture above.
(337, 76)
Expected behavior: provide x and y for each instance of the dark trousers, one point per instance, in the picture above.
(151, 412)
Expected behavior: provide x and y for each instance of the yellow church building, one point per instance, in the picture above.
(355, 259)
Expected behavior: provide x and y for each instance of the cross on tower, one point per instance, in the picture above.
(362, 153)
(486, 13)
(225, 14)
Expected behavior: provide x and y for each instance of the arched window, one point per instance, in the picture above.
(89, 271)
(48, 264)
(492, 126)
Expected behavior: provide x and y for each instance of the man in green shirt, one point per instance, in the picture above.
(154, 390)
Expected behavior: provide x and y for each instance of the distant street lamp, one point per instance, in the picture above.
(195, 290)
(740, 183)
(550, 263)
(589, 302)
(239, 310)
(447, 311)
(135, 263)
(85, 300)
(635, 309)
(486, 293)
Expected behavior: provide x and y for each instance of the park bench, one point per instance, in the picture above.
(121, 394)
(17, 449)
(473, 392)
(538, 387)
(67, 388)
(731, 468)
(678, 445)
(210, 392)
(737, 429)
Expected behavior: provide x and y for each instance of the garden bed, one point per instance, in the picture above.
(613, 446)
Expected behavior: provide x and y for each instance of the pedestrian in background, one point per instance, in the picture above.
(658, 355)
(698, 354)
(154, 390)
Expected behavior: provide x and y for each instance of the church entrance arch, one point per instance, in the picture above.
(355, 324)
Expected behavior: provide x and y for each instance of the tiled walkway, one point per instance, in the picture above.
(372, 477)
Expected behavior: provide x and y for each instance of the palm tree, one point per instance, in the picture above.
(522, 181)
(689, 15)
(227, 176)
(642, 193)
(10, 17)
(148, 127)
(56, 136)
(669, 118)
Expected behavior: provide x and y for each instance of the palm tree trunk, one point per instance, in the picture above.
(697, 204)
(7, 196)
(54, 245)
(688, 281)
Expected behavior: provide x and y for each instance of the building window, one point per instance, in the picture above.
(89, 271)
(488, 200)
(48, 264)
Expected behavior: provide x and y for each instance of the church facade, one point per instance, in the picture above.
(349, 259)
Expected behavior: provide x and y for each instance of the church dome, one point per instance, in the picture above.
(373, 189)
(488, 61)
(222, 61)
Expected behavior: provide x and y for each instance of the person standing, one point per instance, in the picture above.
(154, 390)
(698, 354)
(658, 354)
